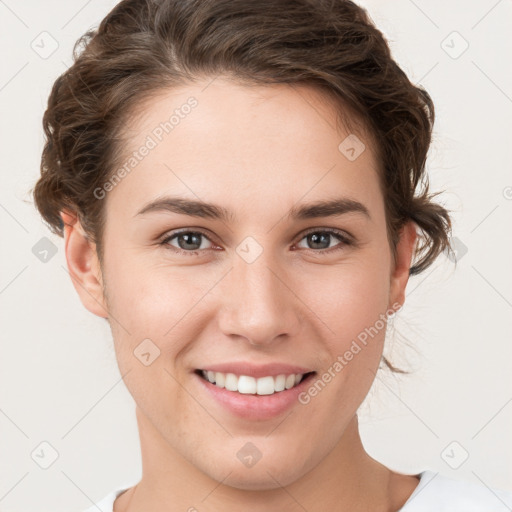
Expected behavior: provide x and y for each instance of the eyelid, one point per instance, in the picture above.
(335, 231)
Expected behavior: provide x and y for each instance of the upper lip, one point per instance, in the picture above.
(256, 371)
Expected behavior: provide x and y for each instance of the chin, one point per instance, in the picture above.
(246, 480)
(262, 476)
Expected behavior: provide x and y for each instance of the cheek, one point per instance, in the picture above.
(151, 328)
(148, 298)
(350, 297)
(352, 302)
(161, 304)
(143, 304)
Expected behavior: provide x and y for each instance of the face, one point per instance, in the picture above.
(259, 291)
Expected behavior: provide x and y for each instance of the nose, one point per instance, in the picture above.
(258, 302)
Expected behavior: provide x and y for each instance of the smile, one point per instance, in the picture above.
(254, 392)
(248, 385)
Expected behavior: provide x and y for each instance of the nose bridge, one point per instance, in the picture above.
(257, 305)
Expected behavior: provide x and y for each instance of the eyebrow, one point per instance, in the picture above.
(193, 208)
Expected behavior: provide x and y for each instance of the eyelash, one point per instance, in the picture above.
(338, 234)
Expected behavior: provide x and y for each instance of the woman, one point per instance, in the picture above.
(241, 187)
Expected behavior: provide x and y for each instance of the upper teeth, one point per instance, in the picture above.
(250, 385)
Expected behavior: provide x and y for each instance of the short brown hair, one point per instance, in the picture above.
(144, 46)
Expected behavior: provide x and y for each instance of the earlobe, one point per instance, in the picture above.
(83, 265)
(404, 254)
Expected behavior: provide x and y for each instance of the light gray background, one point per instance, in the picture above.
(59, 382)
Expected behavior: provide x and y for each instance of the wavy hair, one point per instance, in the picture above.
(145, 46)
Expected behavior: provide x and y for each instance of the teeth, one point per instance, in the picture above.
(220, 379)
(250, 385)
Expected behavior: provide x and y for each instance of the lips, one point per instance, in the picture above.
(247, 403)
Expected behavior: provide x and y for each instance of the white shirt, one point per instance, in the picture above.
(434, 493)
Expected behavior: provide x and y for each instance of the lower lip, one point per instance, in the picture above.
(256, 407)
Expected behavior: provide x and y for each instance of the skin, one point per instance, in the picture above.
(257, 151)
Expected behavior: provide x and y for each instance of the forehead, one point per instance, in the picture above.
(220, 138)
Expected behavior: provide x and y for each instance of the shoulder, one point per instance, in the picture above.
(444, 494)
(107, 503)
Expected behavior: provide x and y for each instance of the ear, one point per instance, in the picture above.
(400, 269)
(83, 266)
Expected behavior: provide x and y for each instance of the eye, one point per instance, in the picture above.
(189, 242)
(320, 239)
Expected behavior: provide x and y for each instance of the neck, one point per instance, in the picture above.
(347, 479)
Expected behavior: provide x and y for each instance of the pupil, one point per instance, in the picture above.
(314, 238)
(189, 240)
